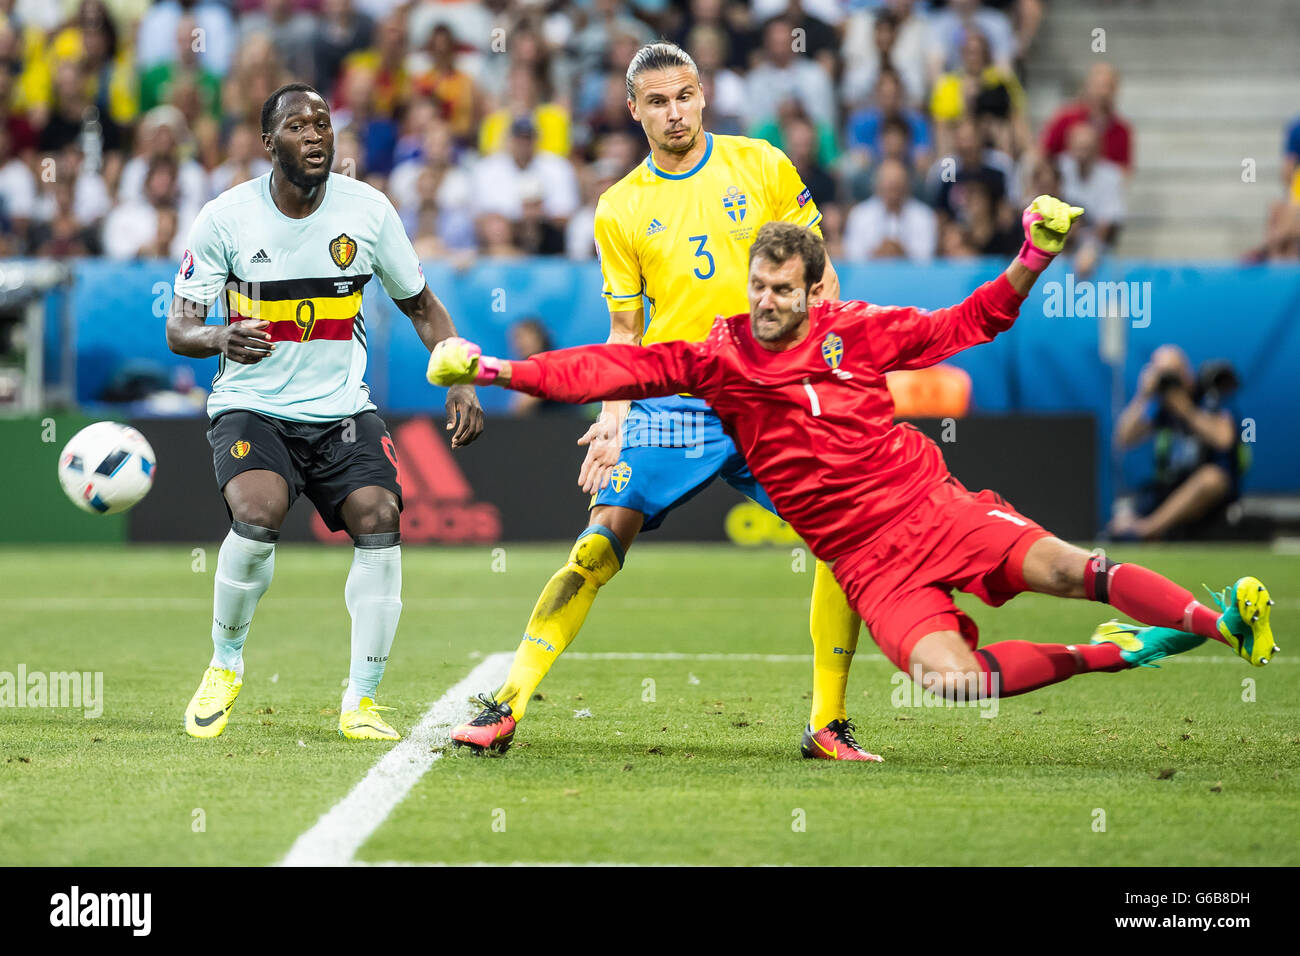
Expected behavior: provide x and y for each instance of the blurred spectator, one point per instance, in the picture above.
(62, 235)
(246, 159)
(891, 224)
(76, 119)
(17, 192)
(832, 227)
(580, 233)
(527, 337)
(450, 88)
(1291, 159)
(535, 234)
(732, 17)
(984, 90)
(893, 37)
(1197, 449)
(156, 40)
(151, 226)
(1097, 185)
(820, 40)
(606, 19)
(724, 89)
(782, 74)
(292, 33)
(528, 102)
(1095, 105)
(22, 134)
(970, 162)
(499, 179)
(788, 111)
(255, 75)
(385, 62)
(342, 30)
(895, 143)
(865, 125)
(73, 205)
(955, 241)
(496, 237)
(613, 117)
(987, 223)
(451, 182)
(164, 135)
(373, 127)
(157, 82)
(799, 141)
(953, 25)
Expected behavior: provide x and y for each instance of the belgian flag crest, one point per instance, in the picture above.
(343, 249)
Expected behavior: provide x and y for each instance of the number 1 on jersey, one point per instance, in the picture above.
(702, 253)
(812, 399)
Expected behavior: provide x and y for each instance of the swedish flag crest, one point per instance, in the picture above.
(734, 202)
(620, 476)
(833, 349)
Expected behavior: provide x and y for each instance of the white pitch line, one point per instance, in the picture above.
(346, 826)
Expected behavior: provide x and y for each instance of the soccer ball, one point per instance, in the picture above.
(106, 468)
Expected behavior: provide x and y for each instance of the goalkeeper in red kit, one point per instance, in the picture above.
(802, 391)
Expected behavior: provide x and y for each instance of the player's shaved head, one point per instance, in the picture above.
(299, 135)
(275, 103)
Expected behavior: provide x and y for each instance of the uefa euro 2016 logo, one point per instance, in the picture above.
(833, 349)
(734, 202)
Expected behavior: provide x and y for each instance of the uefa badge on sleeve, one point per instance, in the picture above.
(186, 270)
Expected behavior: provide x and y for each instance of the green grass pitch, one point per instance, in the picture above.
(683, 760)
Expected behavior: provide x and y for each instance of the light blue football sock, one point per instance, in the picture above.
(244, 568)
(374, 598)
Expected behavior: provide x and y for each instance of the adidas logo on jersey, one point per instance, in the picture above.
(260, 256)
(655, 226)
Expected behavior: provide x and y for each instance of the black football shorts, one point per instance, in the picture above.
(328, 461)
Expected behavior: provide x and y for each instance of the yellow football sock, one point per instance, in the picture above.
(834, 627)
(561, 608)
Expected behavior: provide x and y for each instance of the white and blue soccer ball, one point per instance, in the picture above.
(106, 468)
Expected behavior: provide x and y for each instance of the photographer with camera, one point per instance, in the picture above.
(1197, 448)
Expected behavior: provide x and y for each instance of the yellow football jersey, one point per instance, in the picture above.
(682, 240)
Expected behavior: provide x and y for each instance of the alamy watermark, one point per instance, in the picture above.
(59, 689)
(1086, 299)
(665, 429)
(934, 689)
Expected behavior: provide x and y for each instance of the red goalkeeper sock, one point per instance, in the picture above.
(1017, 667)
(1148, 597)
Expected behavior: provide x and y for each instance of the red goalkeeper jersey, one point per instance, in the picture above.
(816, 422)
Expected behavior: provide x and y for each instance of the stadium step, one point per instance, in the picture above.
(1206, 84)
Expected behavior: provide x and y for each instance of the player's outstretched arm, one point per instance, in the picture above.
(604, 439)
(433, 323)
(590, 373)
(910, 338)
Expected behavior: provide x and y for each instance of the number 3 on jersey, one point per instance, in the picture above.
(702, 253)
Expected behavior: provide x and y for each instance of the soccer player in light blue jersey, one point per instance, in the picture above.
(291, 251)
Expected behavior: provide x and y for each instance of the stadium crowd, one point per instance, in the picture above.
(494, 126)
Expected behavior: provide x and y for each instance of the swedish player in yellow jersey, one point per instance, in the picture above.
(674, 233)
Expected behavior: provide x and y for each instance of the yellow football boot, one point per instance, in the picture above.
(364, 723)
(211, 704)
